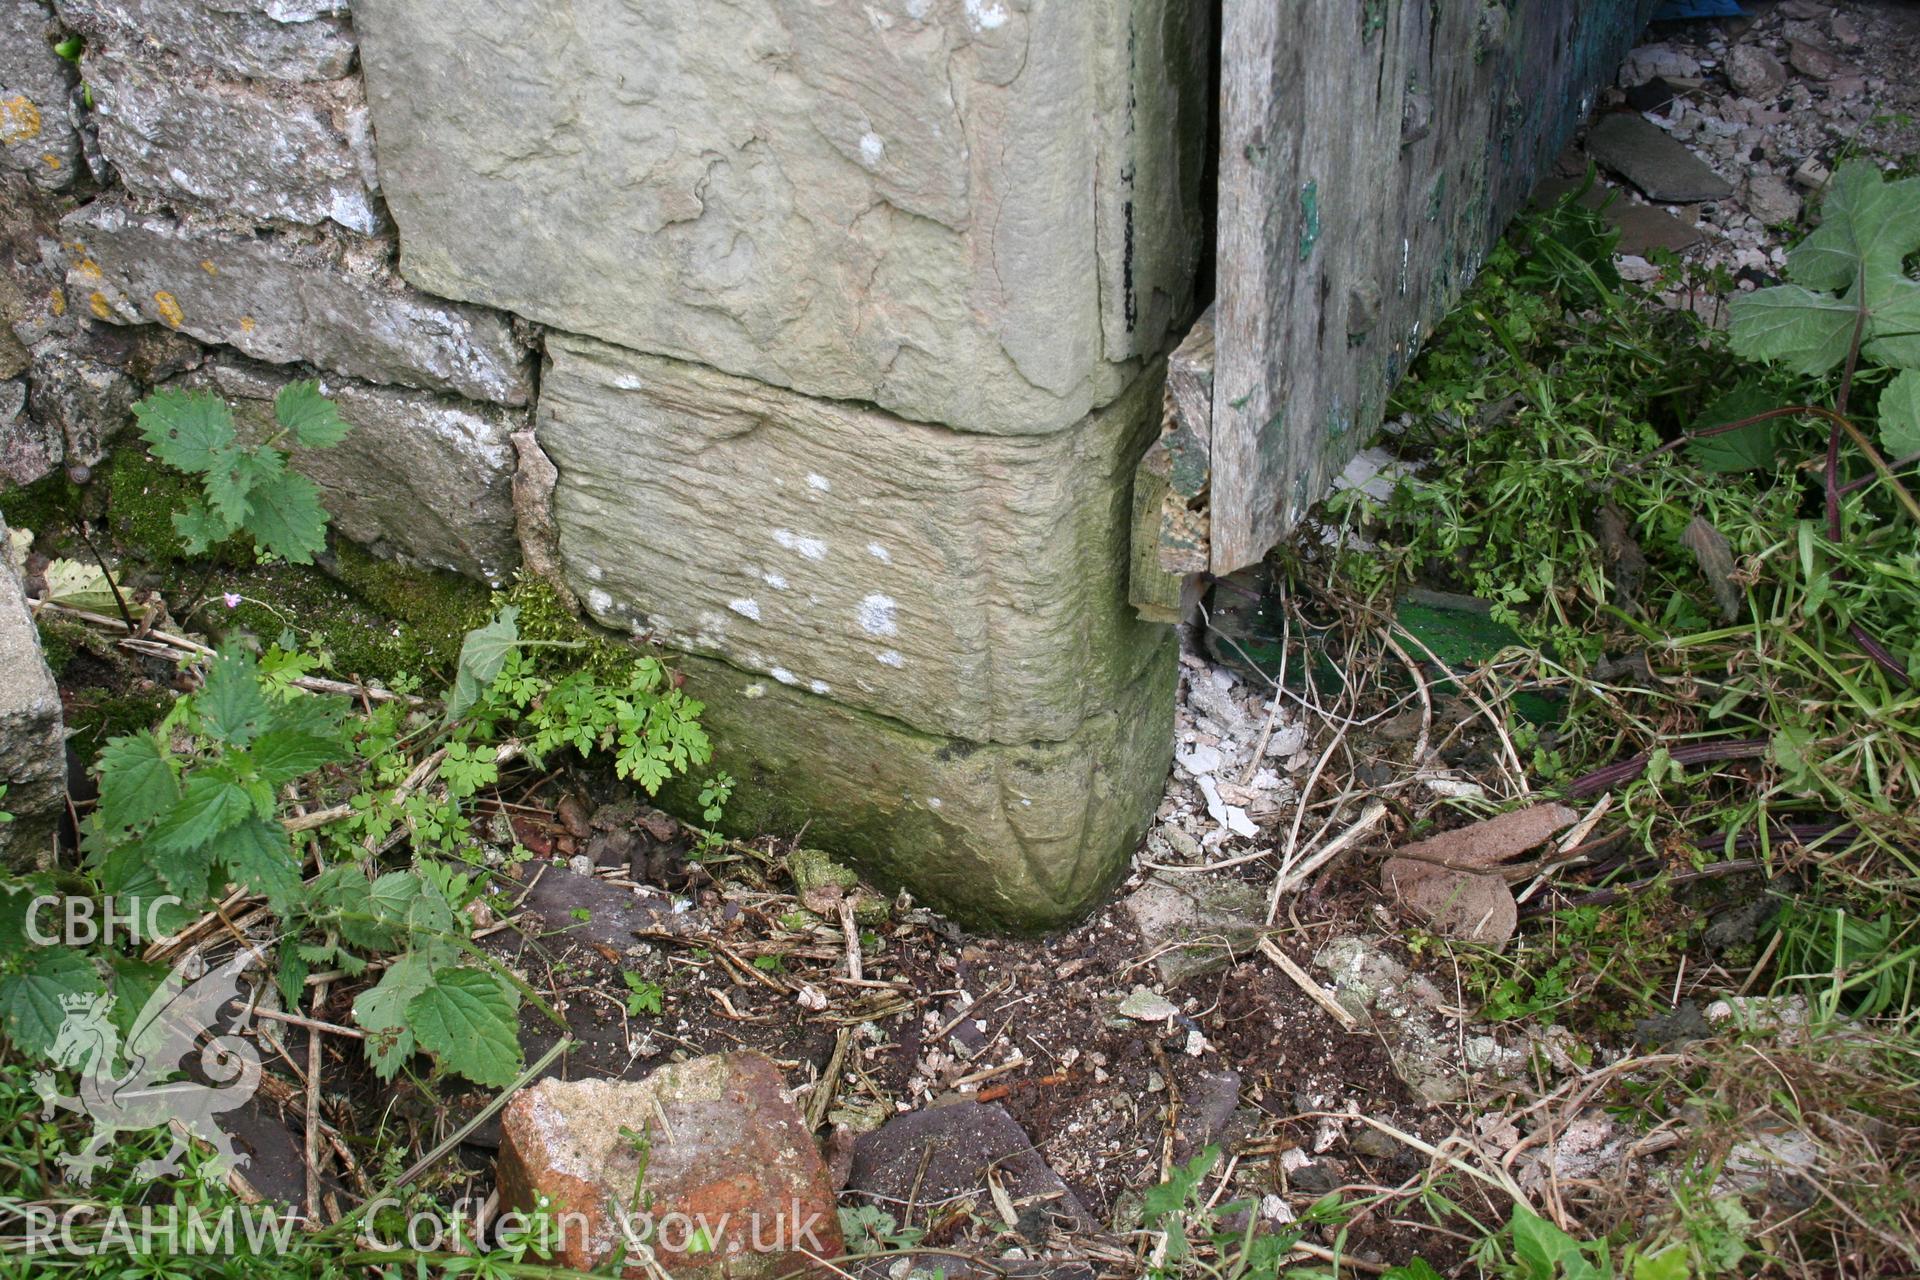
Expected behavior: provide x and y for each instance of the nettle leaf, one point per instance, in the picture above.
(1809, 332)
(482, 654)
(258, 853)
(185, 429)
(281, 756)
(288, 519)
(1754, 447)
(131, 981)
(1865, 222)
(468, 1019)
(31, 1011)
(312, 418)
(129, 877)
(199, 528)
(232, 708)
(137, 781)
(381, 1011)
(1900, 416)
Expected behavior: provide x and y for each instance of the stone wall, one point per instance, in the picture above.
(822, 337)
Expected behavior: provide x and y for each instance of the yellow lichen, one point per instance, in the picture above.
(246, 324)
(206, 265)
(57, 301)
(98, 301)
(53, 161)
(168, 307)
(88, 269)
(19, 120)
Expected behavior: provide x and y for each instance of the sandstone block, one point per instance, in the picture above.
(1018, 836)
(420, 476)
(704, 1165)
(254, 39)
(33, 747)
(296, 154)
(963, 212)
(288, 297)
(967, 585)
(37, 136)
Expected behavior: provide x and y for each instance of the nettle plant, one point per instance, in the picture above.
(246, 486)
(353, 824)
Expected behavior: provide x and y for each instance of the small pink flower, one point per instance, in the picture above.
(232, 598)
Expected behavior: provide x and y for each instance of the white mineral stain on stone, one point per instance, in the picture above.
(933, 802)
(871, 148)
(818, 482)
(888, 657)
(784, 676)
(984, 16)
(877, 616)
(746, 608)
(595, 572)
(811, 548)
(819, 686)
(627, 382)
(879, 553)
(599, 601)
(755, 690)
(774, 580)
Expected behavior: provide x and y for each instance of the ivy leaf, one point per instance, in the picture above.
(1754, 447)
(482, 654)
(258, 854)
(137, 782)
(312, 418)
(288, 519)
(1809, 331)
(468, 1020)
(282, 755)
(31, 1009)
(232, 708)
(1900, 416)
(381, 1011)
(185, 429)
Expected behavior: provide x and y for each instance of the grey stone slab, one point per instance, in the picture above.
(288, 297)
(37, 136)
(961, 211)
(33, 747)
(424, 477)
(964, 584)
(1660, 166)
(253, 148)
(256, 39)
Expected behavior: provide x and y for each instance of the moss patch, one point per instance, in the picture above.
(45, 506)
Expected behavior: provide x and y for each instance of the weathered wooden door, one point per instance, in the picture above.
(1370, 153)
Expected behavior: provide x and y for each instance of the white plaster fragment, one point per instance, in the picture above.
(746, 608)
(871, 148)
(774, 580)
(879, 553)
(889, 658)
(784, 676)
(818, 482)
(811, 548)
(819, 686)
(877, 615)
(984, 16)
